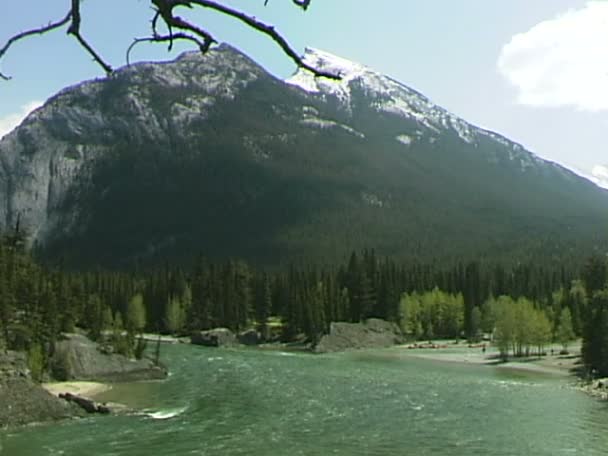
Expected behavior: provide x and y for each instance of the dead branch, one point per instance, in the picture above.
(252, 22)
(203, 46)
(74, 30)
(304, 4)
(37, 31)
(184, 30)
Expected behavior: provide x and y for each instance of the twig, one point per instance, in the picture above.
(188, 31)
(74, 30)
(268, 30)
(37, 31)
(304, 4)
(203, 46)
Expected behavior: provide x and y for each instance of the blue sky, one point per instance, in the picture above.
(534, 71)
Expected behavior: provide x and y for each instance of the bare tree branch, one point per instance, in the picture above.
(252, 22)
(74, 30)
(304, 4)
(164, 9)
(164, 38)
(37, 31)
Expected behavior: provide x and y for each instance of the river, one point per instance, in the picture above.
(382, 402)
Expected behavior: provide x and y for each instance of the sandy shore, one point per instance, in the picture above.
(83, 389)
(550, 364)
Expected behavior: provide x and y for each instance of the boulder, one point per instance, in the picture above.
(218, 337)
(21, 400)
(372, 333)
(250, 337)
(24, 402)
(78, 358)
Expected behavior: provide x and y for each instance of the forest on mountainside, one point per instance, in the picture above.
(428, 300)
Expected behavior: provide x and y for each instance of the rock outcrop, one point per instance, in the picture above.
(250, 337)
(78, 358)
(373, 333)
(13, 364)
(22, 401)
(218, 337)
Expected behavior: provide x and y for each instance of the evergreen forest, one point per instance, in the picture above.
(522, 306)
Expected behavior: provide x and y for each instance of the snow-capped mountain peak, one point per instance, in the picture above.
(389, 96)
(385, 94)
(325, 61)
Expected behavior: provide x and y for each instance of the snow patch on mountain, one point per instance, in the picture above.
(600, 175)
(386, 94)
(313, 121)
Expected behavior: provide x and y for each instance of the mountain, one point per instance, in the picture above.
(213, 154)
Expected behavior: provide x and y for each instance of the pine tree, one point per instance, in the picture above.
(595, 335)
(595, 274)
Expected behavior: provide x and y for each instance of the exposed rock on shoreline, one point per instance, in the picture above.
(218, 337)
(596, 388)
(372, 333)
(23, 401)
(250, 337)
(79, 358)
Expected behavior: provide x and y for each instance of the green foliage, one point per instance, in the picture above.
(578, 304)
(519, 326)
(136, 314)
(475, 323)
(595, 274)
(122, 344)
(565, 331)
(595, 335)
(35, 362)
(595, 320)
(432, 314)
(94, 316)
(59, 367)
(38, 301)
(140, 347)
(175, 316)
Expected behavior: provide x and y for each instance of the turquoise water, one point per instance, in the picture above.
(384, 402)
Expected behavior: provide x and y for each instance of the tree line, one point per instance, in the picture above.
(521, 303)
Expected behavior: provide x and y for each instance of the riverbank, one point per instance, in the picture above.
(550, 364)
(83, 389)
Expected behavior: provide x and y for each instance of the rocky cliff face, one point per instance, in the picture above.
(56, 147)
(212, 154)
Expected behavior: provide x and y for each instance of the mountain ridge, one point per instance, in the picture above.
(186, 151)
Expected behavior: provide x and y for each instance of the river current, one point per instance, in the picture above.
(381, 402)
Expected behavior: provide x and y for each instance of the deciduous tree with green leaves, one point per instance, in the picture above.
(565, 332)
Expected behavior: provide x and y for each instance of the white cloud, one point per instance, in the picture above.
(7, 123)
(600, 175)
(562, 61)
